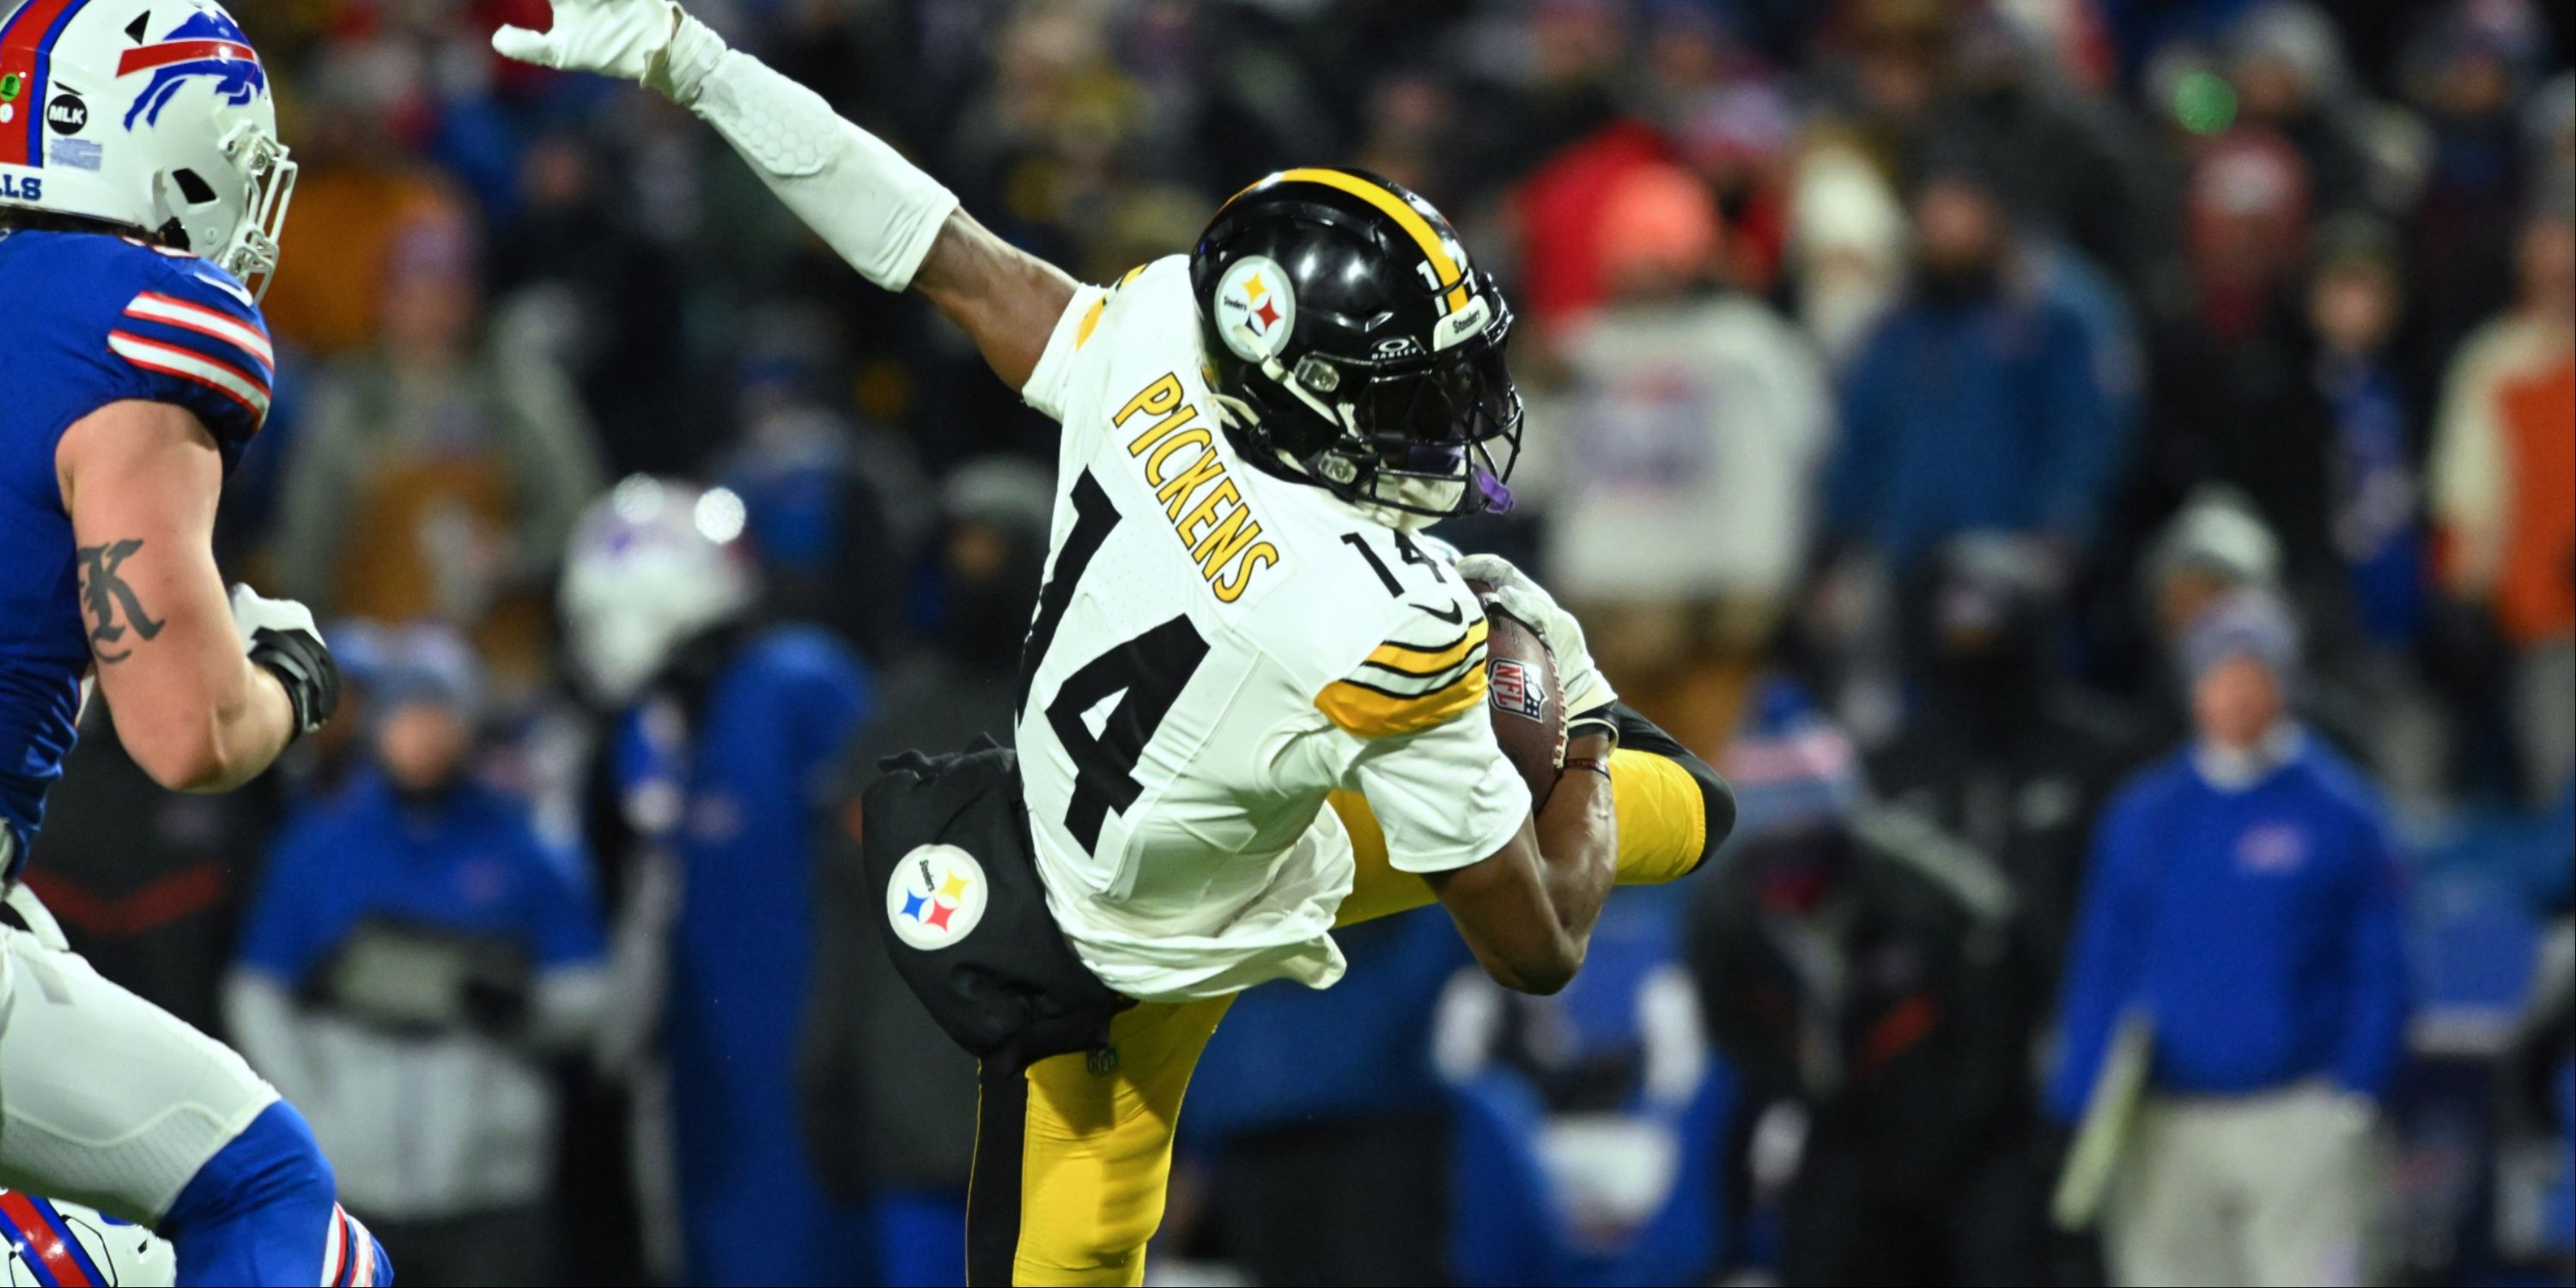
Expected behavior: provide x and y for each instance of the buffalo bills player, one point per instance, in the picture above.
(141, 185)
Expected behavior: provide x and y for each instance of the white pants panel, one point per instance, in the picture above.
(106, 1099)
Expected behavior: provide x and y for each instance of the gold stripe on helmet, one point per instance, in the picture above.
(1393, 207)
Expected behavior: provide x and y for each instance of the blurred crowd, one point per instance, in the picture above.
(2099, 476)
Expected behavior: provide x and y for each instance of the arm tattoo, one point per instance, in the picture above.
(105, 597)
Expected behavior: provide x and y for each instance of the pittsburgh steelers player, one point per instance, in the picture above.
(1254, 702)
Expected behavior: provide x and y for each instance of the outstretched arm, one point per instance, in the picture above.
(898, 226)
(1004, 297)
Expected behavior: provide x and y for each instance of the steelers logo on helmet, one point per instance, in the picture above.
(1256, 308)
(937, 897)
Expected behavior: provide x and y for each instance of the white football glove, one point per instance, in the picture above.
(279, 636)
(1586, 691)
(652, 42)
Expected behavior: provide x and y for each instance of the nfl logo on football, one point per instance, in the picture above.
(1509, 682)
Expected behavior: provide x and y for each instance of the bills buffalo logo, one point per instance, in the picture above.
(2272, 848)
(207, 45)
(1509, 683)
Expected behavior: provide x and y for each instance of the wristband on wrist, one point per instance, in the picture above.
(1602, 720)
(304, 669)
(1594, 763)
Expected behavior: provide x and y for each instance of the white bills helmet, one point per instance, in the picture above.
(654, 564)
(49, 1241)
(152, 115)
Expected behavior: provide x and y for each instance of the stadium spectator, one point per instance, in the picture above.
(1847, 247)
(2285, 60)
(1865, 973)
(2226, 364)
(1569, 117)
(439, 470)
(837, 511)
(414, 957)
(1740, 138)
(2242, 953)
(2470, 71)
(1682, 472)
(1983, 402)
(2215, 543)
(2504, 448)
(722, 734)
(2373, 584)
(2002, 749)
(2081, 163)
(363, 187)
(605, 276)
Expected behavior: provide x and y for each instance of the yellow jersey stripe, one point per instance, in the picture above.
(1393, 207)
(1427, 661)
(1090, 322)
(1091, 317)
(1373, 713)
(1474, 655)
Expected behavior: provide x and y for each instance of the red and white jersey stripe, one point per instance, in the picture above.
(239, 385)
(244, 335)
(348, 1253)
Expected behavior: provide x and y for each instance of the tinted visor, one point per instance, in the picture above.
(1445, 401)
(1445, 428)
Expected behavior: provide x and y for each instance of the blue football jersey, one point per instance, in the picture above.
(86, 320)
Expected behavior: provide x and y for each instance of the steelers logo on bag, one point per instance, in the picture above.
(1256, 308)
(937, 896)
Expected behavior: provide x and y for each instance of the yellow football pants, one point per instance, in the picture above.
(1096, 1127)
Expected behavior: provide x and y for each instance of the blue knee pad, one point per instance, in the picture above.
(265, 1210)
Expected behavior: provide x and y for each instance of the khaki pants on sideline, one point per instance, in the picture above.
(2277, 1188)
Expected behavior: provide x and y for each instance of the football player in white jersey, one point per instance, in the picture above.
(1254, 702)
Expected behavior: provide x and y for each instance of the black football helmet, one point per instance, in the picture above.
(1354, 347)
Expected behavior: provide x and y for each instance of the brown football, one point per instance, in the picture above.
(1521, 696)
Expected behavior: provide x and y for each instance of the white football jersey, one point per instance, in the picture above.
(1216, 649)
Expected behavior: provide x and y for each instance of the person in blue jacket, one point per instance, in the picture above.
(1998, 396)
(724, 736)
(2242, 934)
(415, 958)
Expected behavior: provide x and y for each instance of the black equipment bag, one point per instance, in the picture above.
(999, 978)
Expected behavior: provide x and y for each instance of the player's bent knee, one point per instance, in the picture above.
(265, 1210)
